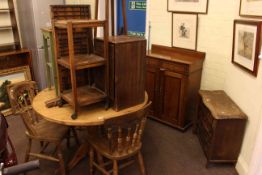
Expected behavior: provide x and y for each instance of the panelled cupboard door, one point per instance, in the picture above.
(152, 87)
(172, 87)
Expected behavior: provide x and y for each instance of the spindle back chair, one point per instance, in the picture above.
(119, 139)
(21, 96)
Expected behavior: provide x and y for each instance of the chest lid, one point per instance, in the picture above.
(220, 105)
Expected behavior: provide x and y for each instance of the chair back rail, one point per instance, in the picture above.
(124, 133)
(21, 95)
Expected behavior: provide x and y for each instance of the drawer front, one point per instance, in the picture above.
(168, 65)
(203, 138)
(206, 119)
(152, 62)
(175, 67)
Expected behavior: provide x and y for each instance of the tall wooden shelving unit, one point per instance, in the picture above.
(87, 94)
(8, 27)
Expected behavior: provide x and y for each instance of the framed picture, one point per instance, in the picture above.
(187, 6)
(9, 76)
(184, 30)
(246, 45)
(250, 8)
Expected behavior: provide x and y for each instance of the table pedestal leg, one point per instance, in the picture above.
(79, 155)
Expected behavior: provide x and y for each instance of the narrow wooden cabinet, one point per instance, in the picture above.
(172, 82)
(220, 127)
(127, 62)
(9, 33)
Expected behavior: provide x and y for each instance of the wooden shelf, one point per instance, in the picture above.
(5, 10)
(83, 61)
(78, 23)
(85, 95)
(6, 27)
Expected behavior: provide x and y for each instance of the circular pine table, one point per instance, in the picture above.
(88, 116)
(92, 115)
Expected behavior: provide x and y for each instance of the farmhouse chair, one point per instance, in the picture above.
(120, 139)
(21, 95)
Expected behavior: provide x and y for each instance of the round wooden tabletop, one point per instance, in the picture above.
(87, 116)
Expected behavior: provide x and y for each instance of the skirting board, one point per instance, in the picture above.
(242, 166)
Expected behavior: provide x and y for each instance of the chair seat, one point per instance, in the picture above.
(101, 144)
(50, 131)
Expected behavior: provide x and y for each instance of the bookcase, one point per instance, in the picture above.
(8, 27)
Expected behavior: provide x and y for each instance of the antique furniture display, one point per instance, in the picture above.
(220, 126)
(14, 66)
(93, 115)
(51, 69)
(172, 82)
(120, 140)
(77, 59)
(8, 28)
(38, 129)
(126, 70)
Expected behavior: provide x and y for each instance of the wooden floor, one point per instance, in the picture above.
(166, 152)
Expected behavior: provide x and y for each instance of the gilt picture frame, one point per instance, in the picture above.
(250, 8)
(246, 45)
(188, 6)
(7, 77)
(184, 30)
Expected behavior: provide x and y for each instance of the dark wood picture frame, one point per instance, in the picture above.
(187, 6)
(248, 34)
(182, 45)
(247, 9)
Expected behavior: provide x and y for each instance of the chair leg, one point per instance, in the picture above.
(115, 167)
(141, 163)
(28, 149)
(61, 160)
(91, 159)
(100, 159)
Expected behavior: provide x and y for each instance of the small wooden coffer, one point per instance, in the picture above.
(220, 126)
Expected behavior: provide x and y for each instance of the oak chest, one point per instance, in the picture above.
(220, 126)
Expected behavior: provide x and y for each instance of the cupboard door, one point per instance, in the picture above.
(152, 87)
(172, 87)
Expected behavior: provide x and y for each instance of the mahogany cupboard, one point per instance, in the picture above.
(172, 83)
(126, 70)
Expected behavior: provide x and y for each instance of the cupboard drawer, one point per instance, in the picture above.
(175, 67)
(152, 62)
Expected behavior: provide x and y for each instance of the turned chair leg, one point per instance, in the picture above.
(115, 167)
(61, 160)
(141, 163)
(100, 160)
(91, 159)
(28, 149)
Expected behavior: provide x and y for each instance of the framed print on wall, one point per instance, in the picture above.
(9, 76)
(187, 6)
(184, 30)
(246, 45)
(250, 8)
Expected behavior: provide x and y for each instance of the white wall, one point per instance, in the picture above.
(215, 35)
